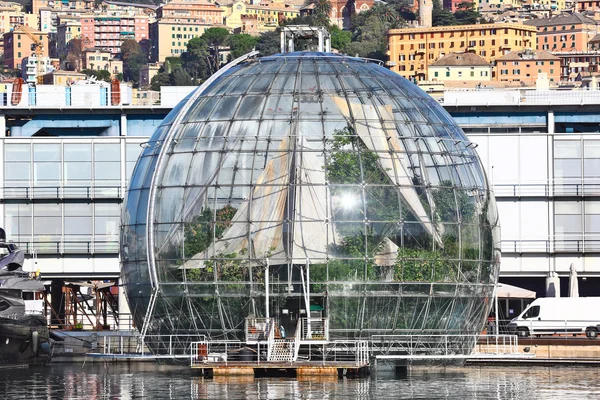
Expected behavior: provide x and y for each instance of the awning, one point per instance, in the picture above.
(505, 291)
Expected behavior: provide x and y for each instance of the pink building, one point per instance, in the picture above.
(108, 32)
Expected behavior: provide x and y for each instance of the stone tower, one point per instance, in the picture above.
(425, 13)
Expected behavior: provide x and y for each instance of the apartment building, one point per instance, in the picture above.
(61, 5)
(564, 32)
(526, 66)
(461, 67)
(12, 14)
(107, 32)
(18, 45)
(266, 15)
(97, 59)
(412, 50)
(551, 5)
(69, 28)
(178, 22)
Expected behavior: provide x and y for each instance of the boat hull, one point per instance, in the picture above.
(24, 341)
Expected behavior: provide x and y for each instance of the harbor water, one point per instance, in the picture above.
(151, 381)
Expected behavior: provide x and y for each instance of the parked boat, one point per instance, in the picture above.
(24, 335)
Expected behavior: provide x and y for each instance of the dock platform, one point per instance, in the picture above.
(293, 369)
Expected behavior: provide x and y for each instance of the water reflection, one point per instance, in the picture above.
(150, 381)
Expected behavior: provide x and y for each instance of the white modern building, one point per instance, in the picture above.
(64, 171)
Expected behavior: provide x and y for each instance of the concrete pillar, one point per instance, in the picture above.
(328, 45)
(551, 122)
(321, 41)
(123, 125)
(553, 285)
(291, 44)
(282, 41)
(2, 125)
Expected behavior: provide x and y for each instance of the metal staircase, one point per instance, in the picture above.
(282, 350)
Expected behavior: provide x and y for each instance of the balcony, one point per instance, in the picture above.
(69, 247)
(63, 192)
(574, 243)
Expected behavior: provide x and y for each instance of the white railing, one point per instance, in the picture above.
(489, 97)
(443, 346)
(314, 328)
(496, 345)
(133, 343)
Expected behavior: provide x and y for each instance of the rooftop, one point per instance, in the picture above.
(460, 59)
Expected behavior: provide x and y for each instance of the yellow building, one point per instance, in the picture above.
(267, 15)
(179, 21)
(12, 14)
(554, 5)
(461, 67)
(412, 50)
(495, 5)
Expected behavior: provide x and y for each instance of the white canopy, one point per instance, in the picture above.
(505, 291)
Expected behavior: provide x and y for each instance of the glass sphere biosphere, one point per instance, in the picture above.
(309, 185)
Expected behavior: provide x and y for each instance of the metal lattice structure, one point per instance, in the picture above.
(309, 185)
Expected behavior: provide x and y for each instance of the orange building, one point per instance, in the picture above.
(565, 32)
(18, 45)
(412, 50)
(525, 66)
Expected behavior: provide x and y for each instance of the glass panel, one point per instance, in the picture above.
(46, 152)
(78, 152)
(107, 152)
(17, 152)
(107, 171)
(567, 149)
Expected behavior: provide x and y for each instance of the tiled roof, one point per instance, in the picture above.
(528, 55)
(561, 19)
(460, 59)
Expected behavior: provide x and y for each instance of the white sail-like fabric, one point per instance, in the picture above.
(312, 230)
(389, 154)
(263, 213)
(270, 205)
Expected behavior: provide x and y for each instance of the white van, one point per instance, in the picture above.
(566, 315)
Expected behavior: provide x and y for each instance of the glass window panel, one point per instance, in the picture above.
(106, 226)
(568, 224)
(250, 107)
(567, 208)
(567, 149)
(47, 225)
(278, 107)
(17, 171)
(77, 171)
(17, 152)
(107, 152)
(592, 223)
(46, 171)
(591, 167)
(17, 220)
(46, 152)
(567, 168)
(107, 209)
(591, 149)
(78, 152)
(78, 225)
(226, 108)
(592, 207)
(132, 151)
(107, 171)
(78, 209)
